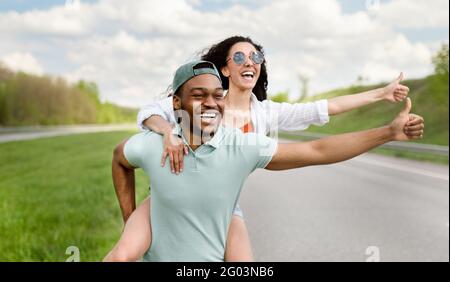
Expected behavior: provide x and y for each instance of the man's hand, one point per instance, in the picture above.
(407, 126)
(395, 92)
(415, 125)
(175, 149)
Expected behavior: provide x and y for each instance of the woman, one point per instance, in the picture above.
(243, 72)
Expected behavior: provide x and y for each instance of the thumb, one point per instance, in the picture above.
(407, 107)
(400, 77)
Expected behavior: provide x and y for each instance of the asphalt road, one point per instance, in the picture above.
(368, 208)
(8, 134)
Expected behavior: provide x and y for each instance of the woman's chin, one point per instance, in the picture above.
(242, 84)
(246, 86)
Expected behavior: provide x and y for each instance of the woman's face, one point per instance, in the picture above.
(243, 76)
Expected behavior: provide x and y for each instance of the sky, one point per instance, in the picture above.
(131, 49)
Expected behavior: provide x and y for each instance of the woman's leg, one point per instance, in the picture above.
(238, 241)
(136, 236)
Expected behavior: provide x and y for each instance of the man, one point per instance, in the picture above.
(191, 212)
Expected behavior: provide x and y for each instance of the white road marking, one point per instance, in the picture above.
(405, 169)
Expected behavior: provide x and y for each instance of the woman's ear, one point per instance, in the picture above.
(225, 71)
(176, 103)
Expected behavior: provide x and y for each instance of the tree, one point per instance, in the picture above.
(281, 97)
(304, 81)
(440, 61)
(27, 99)
(91, 89)
(5, 73)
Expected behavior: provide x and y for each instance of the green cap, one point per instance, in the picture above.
(192, 69)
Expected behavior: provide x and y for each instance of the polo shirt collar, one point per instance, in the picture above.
(215, 142)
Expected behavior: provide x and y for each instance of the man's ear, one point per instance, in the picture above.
(176, 103)
(225, 71)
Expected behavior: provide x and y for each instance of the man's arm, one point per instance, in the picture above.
(394, 92)
(328, 150)
(343, 147)
(123, 179)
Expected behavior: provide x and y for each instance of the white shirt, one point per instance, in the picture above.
(266, 116)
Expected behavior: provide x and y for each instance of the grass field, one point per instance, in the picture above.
(418, 156)
(57, 192)
(430, 99)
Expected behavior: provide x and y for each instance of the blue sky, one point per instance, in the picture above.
(25, 5)
(120, 44)
(348, 7)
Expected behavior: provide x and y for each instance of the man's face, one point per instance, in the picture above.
(202, 100)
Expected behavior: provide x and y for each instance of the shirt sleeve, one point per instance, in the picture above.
(298, 116)
(133, 149)
(162, 108)
(260, 148)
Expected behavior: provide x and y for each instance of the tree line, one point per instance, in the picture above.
(27, 99)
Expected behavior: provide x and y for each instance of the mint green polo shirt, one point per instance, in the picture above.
(191, 212)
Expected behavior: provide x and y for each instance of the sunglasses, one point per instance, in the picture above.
(239, 58)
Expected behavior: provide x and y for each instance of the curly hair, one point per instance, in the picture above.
(218, 53)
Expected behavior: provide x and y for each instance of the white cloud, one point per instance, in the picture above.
(131, 49)
(414, 14)
(56, 21)
(25, 62)
(391, 57)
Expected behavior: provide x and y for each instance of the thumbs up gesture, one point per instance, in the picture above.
(395, 92)
(402, 127)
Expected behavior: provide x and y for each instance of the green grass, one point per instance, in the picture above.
(430, 100)
(418, 156)
(57, 192)
(424, 157)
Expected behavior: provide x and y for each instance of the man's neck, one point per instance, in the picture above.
(194, 139)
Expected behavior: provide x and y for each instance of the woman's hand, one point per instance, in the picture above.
(175, 149)
(395, 92)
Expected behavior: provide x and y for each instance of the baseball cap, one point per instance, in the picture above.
(192, 69)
